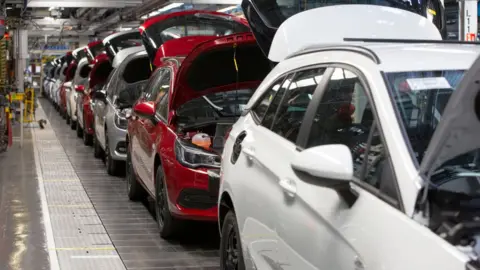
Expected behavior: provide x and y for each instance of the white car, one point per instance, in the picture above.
(356, 152)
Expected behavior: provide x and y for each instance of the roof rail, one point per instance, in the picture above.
(433, 41)
(351, 48)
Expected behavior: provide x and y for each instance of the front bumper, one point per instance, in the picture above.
(195, 192)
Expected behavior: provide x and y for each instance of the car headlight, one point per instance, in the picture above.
(192, 157)
(121, 118)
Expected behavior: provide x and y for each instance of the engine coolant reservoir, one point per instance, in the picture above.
(202, 140)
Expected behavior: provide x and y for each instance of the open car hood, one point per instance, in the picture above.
(119, 41)
(178, 47)
(100, 70)
(222, 64)
(458, 131)
(158, 30)
(370, 21)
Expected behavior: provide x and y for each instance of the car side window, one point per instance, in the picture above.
(275, 102)
(111, 85)
(294, 103)
(346, 116)
(261, 108)
(162, 107)
(161, 87)
(150, 88)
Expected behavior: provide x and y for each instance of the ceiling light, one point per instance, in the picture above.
(51, 8)
(227, 9)
(9, 8)
(49, 18)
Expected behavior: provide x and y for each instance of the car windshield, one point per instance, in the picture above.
(189, 25)
(420, 98)
(223, 104)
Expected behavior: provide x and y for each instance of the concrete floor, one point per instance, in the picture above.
(113, 227)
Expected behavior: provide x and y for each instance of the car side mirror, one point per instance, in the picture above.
(79, 88)
(145, 109)
(99, 95)
(330, 166)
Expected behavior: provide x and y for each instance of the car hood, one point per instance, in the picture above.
(222, 64)
(370, 22)
(459, 128)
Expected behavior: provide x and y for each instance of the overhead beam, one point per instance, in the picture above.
(84, 3)
(56, 33)
(210, 2)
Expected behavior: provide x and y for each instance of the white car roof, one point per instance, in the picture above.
(121, 55)
(397, 57)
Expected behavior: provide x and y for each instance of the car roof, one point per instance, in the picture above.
(397, 57)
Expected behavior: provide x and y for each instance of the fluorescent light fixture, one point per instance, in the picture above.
(49, 18)
(9, 8)
(171, 6)
(51, 8)
(227, 9)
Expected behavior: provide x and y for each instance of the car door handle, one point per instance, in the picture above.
(288, 186)
(250, 153)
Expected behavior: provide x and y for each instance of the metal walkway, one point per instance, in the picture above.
(95, 225)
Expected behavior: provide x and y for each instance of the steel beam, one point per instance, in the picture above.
(84, 3)
(210, 2)
(56, 33)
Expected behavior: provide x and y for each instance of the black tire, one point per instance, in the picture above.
(135, 190)
(79, 131)
(168, 226)
(97, 149)
(114, 167)
(231, 256)
(67, 119)
(87, 138)
(73, 124)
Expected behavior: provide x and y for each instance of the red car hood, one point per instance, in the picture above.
(220, 65)
(100, 70)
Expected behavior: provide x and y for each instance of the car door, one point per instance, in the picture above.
(102, 107)
(145, 134)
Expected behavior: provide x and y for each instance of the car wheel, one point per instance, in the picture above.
(113, 166)
(73, 124)
(231, 256)
(79, 131)
(168, 225)
(97, 149)
(135, 190)
(87, 138)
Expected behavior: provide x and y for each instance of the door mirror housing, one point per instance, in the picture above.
(145, 109)
(330, 166)
(79, 88)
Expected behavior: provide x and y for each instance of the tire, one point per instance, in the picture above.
(97, 149)
(67, 119)
(73, 124)
(114, 167)
(168, 225)
(87, 138)
(231, 256)
(79, 131)
(135, 190)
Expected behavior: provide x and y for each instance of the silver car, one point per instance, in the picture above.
(123, 88)
(80, 79)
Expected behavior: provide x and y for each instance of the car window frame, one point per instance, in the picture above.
(254, 115)
(110, 88)
(158, 116)
(151, 82)
(306, 126)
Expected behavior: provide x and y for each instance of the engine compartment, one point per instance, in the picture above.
(216, 130)
(455, 217)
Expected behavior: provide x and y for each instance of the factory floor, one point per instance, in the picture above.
(60, 210)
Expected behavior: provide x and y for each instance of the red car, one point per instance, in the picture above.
(98, 76)
(177, 131)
